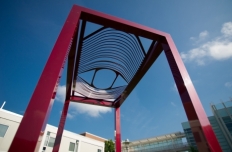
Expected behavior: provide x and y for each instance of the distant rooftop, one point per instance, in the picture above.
(12, 113)
(174, 135)
(86, 134)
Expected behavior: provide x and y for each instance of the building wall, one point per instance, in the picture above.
(189, 135)
(169, 142)
(223, 117)
(82, 143)
(11, 120)
(219, 134)
(90, 147)
(77, 142)
(221, 122)
(217, 130)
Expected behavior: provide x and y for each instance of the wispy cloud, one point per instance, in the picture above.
(60, 93)
(173, 104)
(175, 108)
(90, 110)
(220, 48)
(174, 87)
(228, 84)
(139, 119)
(147, 123)
(69, 115)
(227, 29)
(202, 36)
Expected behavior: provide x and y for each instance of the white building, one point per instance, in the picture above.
(71, 142)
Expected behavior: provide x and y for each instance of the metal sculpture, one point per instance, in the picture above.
(117, 47)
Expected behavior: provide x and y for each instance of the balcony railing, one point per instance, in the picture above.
(167, 148)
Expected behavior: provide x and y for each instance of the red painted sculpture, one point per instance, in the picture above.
(117, 47)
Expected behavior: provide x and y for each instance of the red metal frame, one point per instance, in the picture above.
(71, 65)
(198, 120)
(92, 101)
(118, 130)
(41, 101)
(61, 127)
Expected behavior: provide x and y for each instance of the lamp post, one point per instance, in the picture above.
(3, 104)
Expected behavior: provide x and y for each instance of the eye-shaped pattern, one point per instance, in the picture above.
(104, 79)
(113, 50)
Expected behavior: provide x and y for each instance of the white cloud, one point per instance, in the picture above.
(219, 48)
(60, 93)
(228, 84)
(192, 38)
(91, 110)
(227, 29)
(69, 115)
(202, 36)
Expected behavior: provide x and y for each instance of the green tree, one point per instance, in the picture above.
(192, 149)
(109, 146)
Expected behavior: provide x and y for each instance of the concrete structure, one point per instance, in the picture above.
(221, 122)
(70, 141)
(166, 143)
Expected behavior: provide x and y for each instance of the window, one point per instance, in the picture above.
(3, 129)
(71, 146)
(99, 150)
(51, 142)
(77, 142)
(46, 140)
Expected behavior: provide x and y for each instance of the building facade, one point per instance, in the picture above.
(71, 142)
(166, 143)
(221, 122)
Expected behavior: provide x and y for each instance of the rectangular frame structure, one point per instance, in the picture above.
(42, 98)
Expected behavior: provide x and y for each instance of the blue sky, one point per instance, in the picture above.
(201, 30)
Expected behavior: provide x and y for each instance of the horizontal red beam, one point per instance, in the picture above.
(119, 24)
(98, 102)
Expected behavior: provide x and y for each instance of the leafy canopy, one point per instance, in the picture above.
(109, 146)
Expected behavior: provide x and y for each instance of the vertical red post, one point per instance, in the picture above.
(199, 123)
(61, 126)
(71, 65)
(31, 125)
(118, 130)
